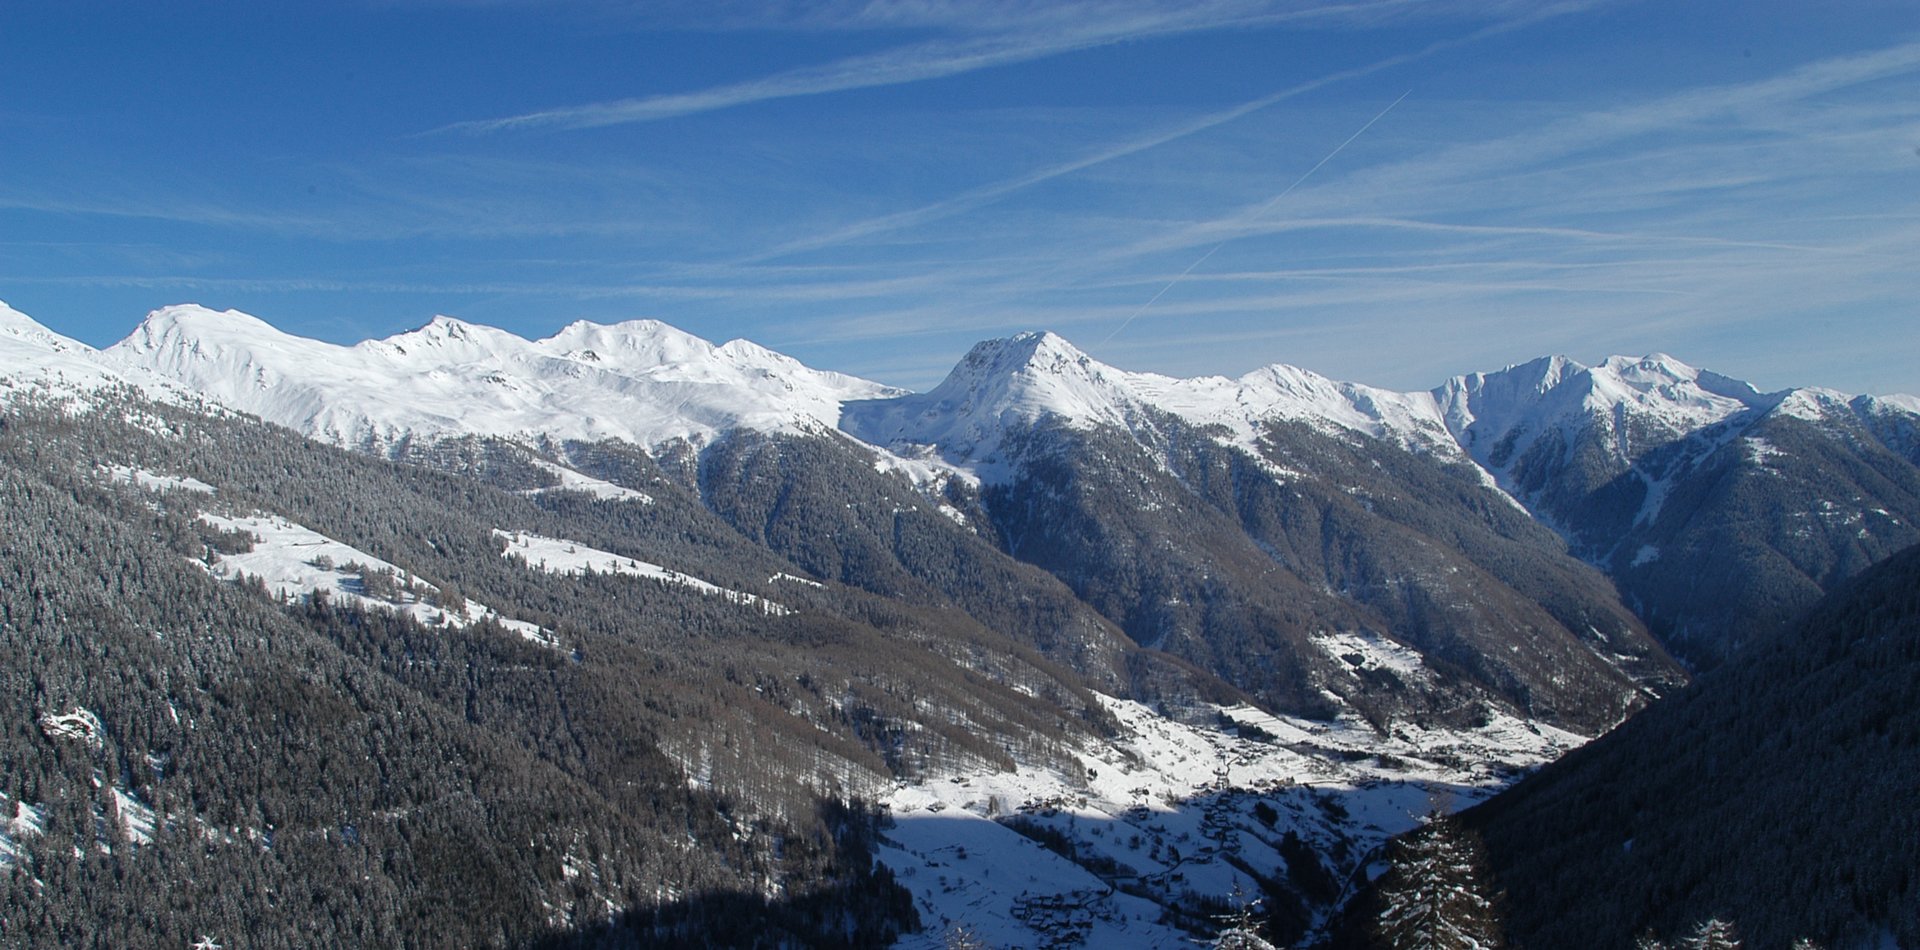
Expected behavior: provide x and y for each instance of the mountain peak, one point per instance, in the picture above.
(446, 337)
(21, 327)
(1037, 351)
(634, 344)
(196, 315)
(192, 326)
(1036, 374)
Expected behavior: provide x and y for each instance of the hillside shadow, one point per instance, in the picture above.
(850, 902)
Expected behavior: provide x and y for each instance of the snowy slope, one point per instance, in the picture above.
(1498, 416)
(641, 381)
(36, 359)
(1491, 418)
(1003, 384)
(1523, 424)
(294, 561)
(648, 383)
(561, 556)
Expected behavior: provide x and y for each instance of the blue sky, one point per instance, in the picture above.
(1388, 191)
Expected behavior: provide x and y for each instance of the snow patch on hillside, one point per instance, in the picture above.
(79, 724)
(141, 478)
(1370, 651)
(295, 561)
(571, 480)
(560, 556)
(28, 821)
(136, 817)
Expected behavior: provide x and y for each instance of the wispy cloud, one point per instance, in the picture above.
(1018, 33)
(990, 193)
(1480, 175)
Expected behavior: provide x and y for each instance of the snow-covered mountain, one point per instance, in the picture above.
(1620, 458)
(641, 381)
(1673, 479)
(37, 359)
(1720, 510)
(1521, 422)
(1013, 382)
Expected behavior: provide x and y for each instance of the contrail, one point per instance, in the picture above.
(1257, 214)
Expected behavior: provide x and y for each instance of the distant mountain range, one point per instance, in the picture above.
(1666, 478)
(867, 586)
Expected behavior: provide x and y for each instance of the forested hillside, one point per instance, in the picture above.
(1777, 794)
(337, 768)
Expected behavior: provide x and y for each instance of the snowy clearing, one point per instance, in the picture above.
(560, 556)
(571, 480)
(1370, 651)
(155, 482)
(135, 817)
(294, 561)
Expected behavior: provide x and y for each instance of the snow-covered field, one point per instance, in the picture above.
(560, 556)
(1170, 818)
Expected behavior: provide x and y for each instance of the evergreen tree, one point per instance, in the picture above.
(1435, 895)
(1242, 934)
(1714, 934)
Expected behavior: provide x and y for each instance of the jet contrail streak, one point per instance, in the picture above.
(1257, 214)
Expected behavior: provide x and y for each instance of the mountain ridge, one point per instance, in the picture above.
(1030, 369)
(1620, 458)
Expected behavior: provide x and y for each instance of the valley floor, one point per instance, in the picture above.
(1177, 824)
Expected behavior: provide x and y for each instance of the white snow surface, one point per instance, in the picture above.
(78, 723)
(154, 482)
(560, 556)
(287, 557)
(641, 381)
(571, 480)
(1370, 651)
(1528, 401)
(28, 821)
(647, 383)
(1167, 802)
(34, 359)
(1814, 404)
(1006, 383)
(135, 816)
